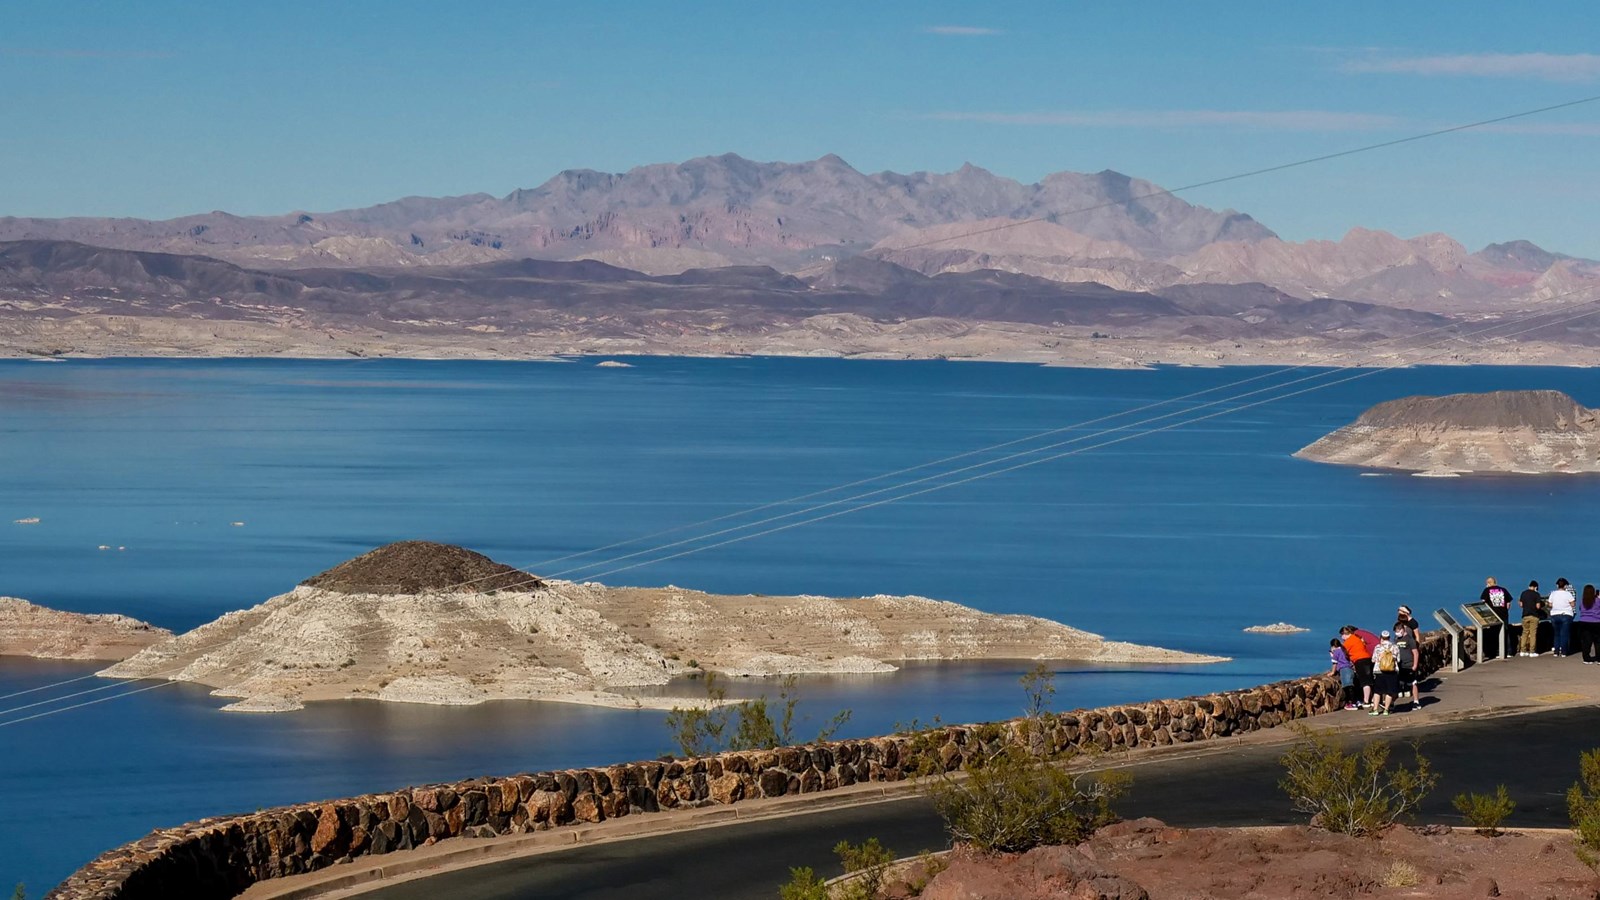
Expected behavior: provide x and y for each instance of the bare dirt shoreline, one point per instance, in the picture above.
(828, 336)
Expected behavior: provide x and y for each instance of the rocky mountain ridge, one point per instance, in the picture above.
(64, 298)
(726, 210)
(706, 212)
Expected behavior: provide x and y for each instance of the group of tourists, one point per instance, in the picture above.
(1572, 619)
(1377, 670)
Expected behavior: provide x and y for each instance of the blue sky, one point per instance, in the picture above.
(164, 108)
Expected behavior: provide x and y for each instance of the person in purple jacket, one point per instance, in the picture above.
(1346, 670)
(1588, 625)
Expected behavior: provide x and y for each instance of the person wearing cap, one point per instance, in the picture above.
(1533, 611)
(1404, 615)
(1386, 675)
(1405, 639)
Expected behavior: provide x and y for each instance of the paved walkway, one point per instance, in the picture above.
(1231, 781)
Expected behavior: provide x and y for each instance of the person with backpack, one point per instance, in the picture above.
(1562, 608)
(1360, 660)
(1588, 625)
(1533, 610)
(1498, 598)
(1386, 674)
(1343, 668)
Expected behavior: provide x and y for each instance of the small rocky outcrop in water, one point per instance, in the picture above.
(1527, 432)
(416, 567)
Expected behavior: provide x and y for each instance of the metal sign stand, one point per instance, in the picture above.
(1483, 616)
(1455, 630)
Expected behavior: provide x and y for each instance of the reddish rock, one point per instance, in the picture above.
(587, 809)
(332, 837)
(727, 789)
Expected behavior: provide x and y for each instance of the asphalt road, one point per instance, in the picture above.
(1535, 756)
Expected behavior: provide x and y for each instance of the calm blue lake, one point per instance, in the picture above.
(1180, 538)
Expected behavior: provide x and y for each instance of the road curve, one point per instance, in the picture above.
(1535, 756)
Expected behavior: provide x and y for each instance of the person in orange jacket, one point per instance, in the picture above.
(1360, 657)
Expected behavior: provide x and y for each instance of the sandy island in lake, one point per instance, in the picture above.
(27, 629)
(398, 624)
(1512, 432)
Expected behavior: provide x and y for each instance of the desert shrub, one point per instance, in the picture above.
(1485, 812)
(1583, 808)
(926, 869)
(869, 861)
(803, 884)
(746, 725)
(1401, 874)
(1353, 793)
(20, 892)
(1015, 801)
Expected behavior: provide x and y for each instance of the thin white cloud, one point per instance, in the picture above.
(961, 30)
(1266, 120)
(1567, 67)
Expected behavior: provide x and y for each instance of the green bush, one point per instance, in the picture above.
(1583, 808)
(1352, 793)
(746, 725)
(1485, 812)
(1015, 801)
(20, 893)
(869, 861)
(803, 885)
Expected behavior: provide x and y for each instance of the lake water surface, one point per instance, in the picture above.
(1180, 538)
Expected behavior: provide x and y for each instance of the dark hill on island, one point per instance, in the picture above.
(417, 567)
(1524, 432)
(1538, 410)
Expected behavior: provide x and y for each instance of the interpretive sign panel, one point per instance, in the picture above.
(1449, 623)
(1481, 614)
(1455, 629)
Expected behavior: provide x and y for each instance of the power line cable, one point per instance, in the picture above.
(1210, 182)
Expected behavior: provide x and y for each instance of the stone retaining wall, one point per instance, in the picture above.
(220, 857)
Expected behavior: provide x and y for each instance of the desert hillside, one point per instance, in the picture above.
(429, 623)
(27, 629)
(1524, 432)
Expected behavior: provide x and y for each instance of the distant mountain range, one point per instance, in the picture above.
(725, 255)
(799, 217)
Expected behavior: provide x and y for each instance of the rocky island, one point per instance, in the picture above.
(1523, 432)
(27, 629)
(431, 623)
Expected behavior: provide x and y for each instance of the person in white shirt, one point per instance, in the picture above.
(1563, 605)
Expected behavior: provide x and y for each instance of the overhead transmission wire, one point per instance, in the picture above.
(1165, 192)
(1160, 192)
(1077, 211)
(1363, 372)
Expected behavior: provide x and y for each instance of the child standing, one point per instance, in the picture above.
(1386, 672)
(1346, 671)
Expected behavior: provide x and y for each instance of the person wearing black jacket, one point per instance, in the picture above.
(1533, 611)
